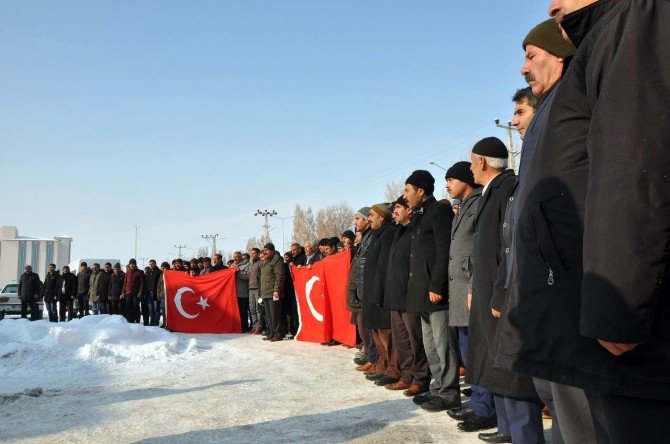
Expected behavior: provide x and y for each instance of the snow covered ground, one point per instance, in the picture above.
(100, 379)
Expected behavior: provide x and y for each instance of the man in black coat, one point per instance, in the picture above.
(50, 292)
(150, 312)
(405, 327)
(594, 269)
(428, 288)
(103, 289)
(518, 410)
(29, 290)
(116, 290)
(376, 318)
(67, 293)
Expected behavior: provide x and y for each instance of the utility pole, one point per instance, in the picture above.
(283, 242)
(212, 239)
(266, 214)
(136, 228)
(180, 247)
(510, 143)
(144, 261)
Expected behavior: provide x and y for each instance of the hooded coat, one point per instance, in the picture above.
(592, 265)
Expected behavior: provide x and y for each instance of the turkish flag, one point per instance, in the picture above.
(202, 304)
(321, 294)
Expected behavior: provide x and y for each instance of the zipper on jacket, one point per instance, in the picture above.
(550, 279)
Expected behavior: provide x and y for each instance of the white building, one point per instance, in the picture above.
(18, 251)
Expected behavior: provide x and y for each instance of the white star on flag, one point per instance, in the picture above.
(203, 303)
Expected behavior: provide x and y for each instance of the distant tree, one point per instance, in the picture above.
(304, 227)
(253, 242)
(394, 190)
(333, 220)
(203, 252)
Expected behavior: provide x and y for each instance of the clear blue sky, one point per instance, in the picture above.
(186, 117)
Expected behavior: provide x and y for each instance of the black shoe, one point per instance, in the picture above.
(475, 423)
(374, 376)
(467, 392)
(360, 361)
(437, 404)
(460, 413)
(494, 437)
(421, 398)
(386, 380)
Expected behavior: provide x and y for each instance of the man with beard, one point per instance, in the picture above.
(592, 270)
(299, 257)
(376, 318)
(519, 416)
(67, 293)
(50, 292)
(405, 327)
(428, 288)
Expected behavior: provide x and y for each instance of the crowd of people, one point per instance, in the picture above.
(539, 284)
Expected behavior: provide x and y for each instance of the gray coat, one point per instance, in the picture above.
(460, 263)
(242, 278)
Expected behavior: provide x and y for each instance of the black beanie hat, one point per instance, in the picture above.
(132, 261)
(349, 235)
(422, 179)
(548, 36)
(461, 171)
(402, 202)
(491, 147)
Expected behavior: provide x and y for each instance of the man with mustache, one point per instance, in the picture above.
(593, 271)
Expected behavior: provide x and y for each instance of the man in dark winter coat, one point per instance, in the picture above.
(405, 327)
(150, 311)
(271, 291)
(547, 56)
(428, 288)
(30, 287)
(255, 308)
(518, 410)
(67, 293)
(299, 257)
(461, 185)
(593, 274)
(355, 288)
(103, 289)
(50, 292)
(376, 318)
(133, 288)
(311, 254)
(116, 290)
(83, 287)
(242, 287)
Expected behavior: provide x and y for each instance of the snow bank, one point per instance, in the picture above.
(100, 339)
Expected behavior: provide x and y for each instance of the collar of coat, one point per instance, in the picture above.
(577, 24)
(426, 203)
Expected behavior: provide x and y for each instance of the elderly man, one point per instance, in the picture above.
(242, 286)
(255, 308)
(519, 416)
(312, 256)
(593, 269)
(428, 290)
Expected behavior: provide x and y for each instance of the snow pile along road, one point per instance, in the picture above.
(102, 339)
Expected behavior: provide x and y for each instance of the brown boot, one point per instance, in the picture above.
(366, 367)
(397, 386)
(415, 390)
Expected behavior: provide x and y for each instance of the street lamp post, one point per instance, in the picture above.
(439, 166)
(283, 242)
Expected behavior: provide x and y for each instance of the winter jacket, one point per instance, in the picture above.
(397, 272)
(300, 259)
(151, 278)
(272, 277)
(103, 285)
(460, 260)
(375, 316)
(50, 287)
(116, 285)
(254, 272)
(429, 257)
(67, 285)
(242, 279)
(313, 259)
(591, 264)
(83, 281)
(93, 285)
(160, 291)
(30, 286)
(360, 260)
(133, 283)
(488, 260)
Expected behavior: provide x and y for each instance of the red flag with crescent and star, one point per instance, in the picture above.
(202, 304)
(321, 294)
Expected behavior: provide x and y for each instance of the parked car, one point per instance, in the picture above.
(10, 304)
